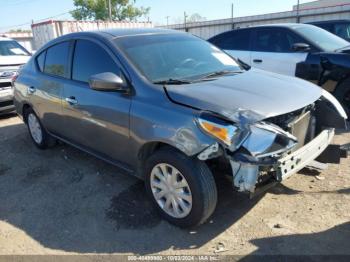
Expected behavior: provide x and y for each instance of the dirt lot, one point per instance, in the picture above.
(63, 201)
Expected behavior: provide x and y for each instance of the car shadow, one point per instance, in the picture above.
(320, 246)
(281, 189)
(67, 200)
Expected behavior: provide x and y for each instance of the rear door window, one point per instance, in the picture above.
(90, 59)
(41, 61)
(234, 40)
(56, 62)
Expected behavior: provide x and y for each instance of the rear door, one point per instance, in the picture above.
(272, 50)
(46, 91)
(236, 43)
(97, 121)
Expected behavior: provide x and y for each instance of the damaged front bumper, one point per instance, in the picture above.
(262, 153)
(246, 175)
(294, 162)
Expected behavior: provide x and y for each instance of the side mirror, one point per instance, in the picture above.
(301, 47)
(107, 82)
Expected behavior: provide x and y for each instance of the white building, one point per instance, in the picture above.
(310, 12)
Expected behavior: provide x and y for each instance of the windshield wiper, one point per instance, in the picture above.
(219, 73)
(172, 82)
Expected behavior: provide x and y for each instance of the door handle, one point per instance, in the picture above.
(71, 100)
(31, 90)
(258, 61)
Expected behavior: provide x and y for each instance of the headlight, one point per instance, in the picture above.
(268, 140)
(223, 133)
(219, 129)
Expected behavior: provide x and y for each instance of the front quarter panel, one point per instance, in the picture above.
(160, 120)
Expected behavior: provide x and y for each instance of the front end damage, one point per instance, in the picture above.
(261, 153)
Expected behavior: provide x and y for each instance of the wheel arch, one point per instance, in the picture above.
(25, 108)
(149, 149)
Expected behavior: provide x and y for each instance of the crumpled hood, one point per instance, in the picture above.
(254, 95)
(13, 60)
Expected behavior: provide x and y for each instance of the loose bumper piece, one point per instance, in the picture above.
(299, 159)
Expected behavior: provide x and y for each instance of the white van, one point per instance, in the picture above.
(12, 57)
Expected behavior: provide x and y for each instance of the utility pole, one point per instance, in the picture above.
(110, 10)
(185, 21)
(232, 7)
(298, 10)
(167, 20)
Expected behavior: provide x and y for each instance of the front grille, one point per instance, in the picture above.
(297, 123)
(6, 103)
(300, 127)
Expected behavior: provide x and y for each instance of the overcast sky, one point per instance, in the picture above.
(20, 13)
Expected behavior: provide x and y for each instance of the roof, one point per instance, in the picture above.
(120, 32)
(286, 25)
(111, 34)
(137, 31)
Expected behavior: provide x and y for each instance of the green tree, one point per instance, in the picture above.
(98, 10)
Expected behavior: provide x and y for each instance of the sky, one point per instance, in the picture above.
(20, 13)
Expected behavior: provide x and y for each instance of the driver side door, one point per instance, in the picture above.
(97, 121)
(272, 51)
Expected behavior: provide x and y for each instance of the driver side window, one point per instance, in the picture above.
(91, 59)
(275, 40)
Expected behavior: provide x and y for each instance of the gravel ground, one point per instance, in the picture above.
(63, 201)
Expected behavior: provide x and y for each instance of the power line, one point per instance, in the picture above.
(16, 3)
(29, 23)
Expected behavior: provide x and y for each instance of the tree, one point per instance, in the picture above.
(98, 10)
(196, 18)
(20, 30)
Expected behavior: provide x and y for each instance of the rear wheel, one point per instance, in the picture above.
(38, 134)
(342, 93)
(182, 188)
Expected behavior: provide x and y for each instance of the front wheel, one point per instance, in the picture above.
(183, 189)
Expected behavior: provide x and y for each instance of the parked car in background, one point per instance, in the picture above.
(300, 50)
(340, 28)
(160, 104)
(12, 56)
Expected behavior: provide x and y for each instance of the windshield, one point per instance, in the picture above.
(175, 56)
(12, 48)
(322, 38)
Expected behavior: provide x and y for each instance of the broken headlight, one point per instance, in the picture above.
(268, 140)
(225, 132)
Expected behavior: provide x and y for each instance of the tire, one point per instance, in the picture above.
(37, 132)
(342, 93)
(201, 187)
